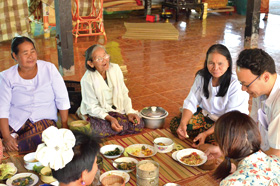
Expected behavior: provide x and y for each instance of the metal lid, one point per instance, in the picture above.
(153, 112)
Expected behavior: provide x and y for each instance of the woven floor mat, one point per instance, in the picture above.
(170, 170)
(162, 31)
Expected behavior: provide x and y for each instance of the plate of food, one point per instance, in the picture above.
(126, 164)
(111, 151)
(123, 174)
(24, 179)
(7, 170)
(141, 150)
(191, 157)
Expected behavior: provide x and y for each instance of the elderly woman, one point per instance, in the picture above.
(105, 97)
(239, 141)
(31, 92)
(215, 91)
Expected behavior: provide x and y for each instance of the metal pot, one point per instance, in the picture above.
(147, 177)
(153, 117)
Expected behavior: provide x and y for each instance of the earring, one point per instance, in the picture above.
(83, 183)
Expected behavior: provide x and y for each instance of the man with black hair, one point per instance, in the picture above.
(257, 75)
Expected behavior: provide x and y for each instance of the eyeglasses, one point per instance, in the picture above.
(247, 86)
(100, 59)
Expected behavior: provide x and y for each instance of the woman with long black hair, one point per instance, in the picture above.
(215, 91)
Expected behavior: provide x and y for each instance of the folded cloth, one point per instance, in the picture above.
(56, 151)
(213, 117)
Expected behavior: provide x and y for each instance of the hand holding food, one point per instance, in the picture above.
(134, 118)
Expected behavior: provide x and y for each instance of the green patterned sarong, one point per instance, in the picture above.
(197, 124)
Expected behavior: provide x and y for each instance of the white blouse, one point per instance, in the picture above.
(98, 97)
(34, 99)
(234, 99)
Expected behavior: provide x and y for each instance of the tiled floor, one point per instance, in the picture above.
(161, 72)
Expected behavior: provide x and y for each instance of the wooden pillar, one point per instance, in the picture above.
(148, 7)
(252, 24)
(64, 37)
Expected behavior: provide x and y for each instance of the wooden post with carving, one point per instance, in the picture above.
(64, 37)
(252, 24)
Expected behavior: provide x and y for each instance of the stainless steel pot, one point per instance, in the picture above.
(153, 117)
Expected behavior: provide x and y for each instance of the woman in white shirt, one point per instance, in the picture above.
(215, 91)
(31, 93)
(105, 97)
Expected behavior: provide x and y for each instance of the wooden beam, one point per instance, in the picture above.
(252, 23)
(64, 37)
(148, 7)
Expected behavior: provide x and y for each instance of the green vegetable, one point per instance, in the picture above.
(6, 171)
(135, 121)
(115, 152)
(38, 168)
(24, 181)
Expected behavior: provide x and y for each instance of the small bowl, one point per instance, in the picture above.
(80, 125)
(46, 175)
(107, 148)
(113, 179)
(30, 161)
(167, 147)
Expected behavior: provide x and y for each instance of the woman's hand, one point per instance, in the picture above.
(213, 152)
(134, 118)
(200, 138)
(115, 125)
(10, 143)
(182, 131)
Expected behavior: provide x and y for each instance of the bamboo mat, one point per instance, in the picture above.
(170, 170)
(161, 31)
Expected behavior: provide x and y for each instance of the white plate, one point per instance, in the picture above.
(20, 175)
(138, 147)
(188, 151)
(174, 154)
(125, 159)
(116, 172)
(107, 148)
(14, 167)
